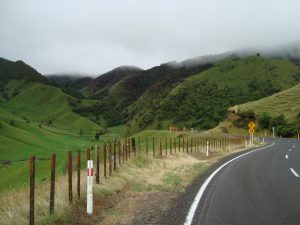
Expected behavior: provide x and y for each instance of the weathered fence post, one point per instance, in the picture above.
(115, 161)
(187, 144)
(153, 147)
(191, 144)
(179, 143)
(147, 146)
(133, 144)
(104, 159)
(160, 147)
(170, 146)
(119, 152)
(97, 165)
(52, 185)
(70, 176)
(32, 186)
(78, 173)
(166, 146)
(175, 144)
(139, 141)
(110, 158)
(88, 154)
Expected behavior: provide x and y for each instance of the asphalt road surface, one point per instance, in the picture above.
(261, 187)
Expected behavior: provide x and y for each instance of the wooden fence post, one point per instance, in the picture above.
(191, 144)
(97, 165)
(110, 158)
(88, 154)
(115, 161)
(70, 176)
(52, 181)
(170, 146)
(153, 147)
(175, 144)
(104, 159)
(166, 146)
(129, 147)
(147, 146)
(119, 152)
(187, 144)
(160, 147)
(32, 186)
(78, 173)
(139, 140)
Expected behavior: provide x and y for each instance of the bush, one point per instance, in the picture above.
(286, 130)
(249, 114)
(277, 121)
(264, 120)
(12, 123)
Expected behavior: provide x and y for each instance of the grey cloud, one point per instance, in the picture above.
(94, 36)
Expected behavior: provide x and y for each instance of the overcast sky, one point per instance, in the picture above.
(94, 36)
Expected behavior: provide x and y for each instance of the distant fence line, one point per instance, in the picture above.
(117, 152)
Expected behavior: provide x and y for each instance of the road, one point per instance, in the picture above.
(261, 187)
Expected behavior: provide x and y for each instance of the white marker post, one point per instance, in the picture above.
(89, 199)
(207, 147)
(273, 128)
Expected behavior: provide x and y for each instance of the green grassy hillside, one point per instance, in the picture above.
(286, 102)
(43, 103)
(202, 100)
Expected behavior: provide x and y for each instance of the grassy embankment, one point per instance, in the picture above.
(123, 196)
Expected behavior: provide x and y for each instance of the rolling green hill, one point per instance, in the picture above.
(43, 103)
(201, 101)
(286, 102)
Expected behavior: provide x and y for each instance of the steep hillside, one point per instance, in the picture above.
(10, 70)
(202, 100)
(286, 102)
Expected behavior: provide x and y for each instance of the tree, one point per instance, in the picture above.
(97, 136)
(264, 120)
(277, 121)
(286, 130)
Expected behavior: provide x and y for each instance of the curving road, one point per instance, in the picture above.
(262, 187)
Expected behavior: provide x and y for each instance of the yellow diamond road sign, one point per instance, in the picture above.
(251, 125)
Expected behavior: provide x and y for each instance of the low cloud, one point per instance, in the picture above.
(92, 37)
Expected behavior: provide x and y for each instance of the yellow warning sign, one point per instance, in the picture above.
(251, 130)
(251, 125)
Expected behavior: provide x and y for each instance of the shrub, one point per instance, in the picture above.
(12, 123)
(264, 120)
(286, 130)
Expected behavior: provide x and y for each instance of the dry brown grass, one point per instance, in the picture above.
(135, 182)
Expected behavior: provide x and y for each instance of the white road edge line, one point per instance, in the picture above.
(294, 172)
(286, 156)
(192, 210)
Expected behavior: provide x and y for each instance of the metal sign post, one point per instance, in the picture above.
(89, 202)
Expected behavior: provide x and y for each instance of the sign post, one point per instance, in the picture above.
(89, 202)
(251, 127)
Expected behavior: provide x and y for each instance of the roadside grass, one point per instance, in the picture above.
(140, 175)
